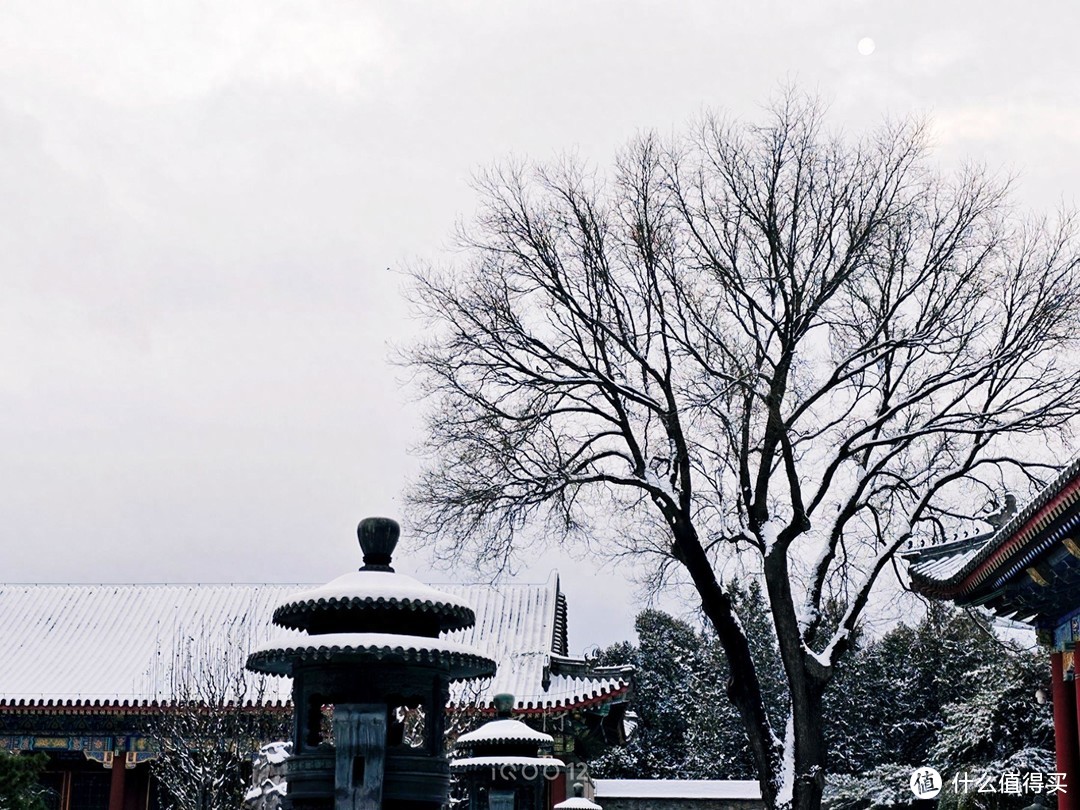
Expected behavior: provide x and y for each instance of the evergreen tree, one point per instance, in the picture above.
(687, 727)
(673, 690)
(19, 788)
(998, 731)
(943, 692)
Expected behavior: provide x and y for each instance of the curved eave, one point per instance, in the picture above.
(1020, 536)
(458, 662)
(595, 697)
(81, 706)
(504, 731)
(506, 740)
(296, 615)
(509, 764)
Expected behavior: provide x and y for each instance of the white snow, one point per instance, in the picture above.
(505, 730)
(769, 532)
(577, 803)
(945, 567)
(677, 789)
(662, 484)
(276, 752)
(378, 585)
(364, 641)
(497, 761)
(787, 766)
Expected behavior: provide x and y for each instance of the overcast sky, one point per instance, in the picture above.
(206, 206)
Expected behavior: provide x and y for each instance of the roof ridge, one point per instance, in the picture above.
(143, 584)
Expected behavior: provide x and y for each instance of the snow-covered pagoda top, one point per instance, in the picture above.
(504, 731)
(373, 616)
(577, 801)
(371, 592)
(504, 742)
(375, 597)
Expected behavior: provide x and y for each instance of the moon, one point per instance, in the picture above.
(866, 46)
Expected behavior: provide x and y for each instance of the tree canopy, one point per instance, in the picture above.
(760, 341)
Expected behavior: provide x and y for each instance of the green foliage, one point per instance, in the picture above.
(942, 692)
(884, 785)
(687, 728)
(19, 788)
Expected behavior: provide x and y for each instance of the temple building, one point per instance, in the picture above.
(88, 668)
(1028, 570)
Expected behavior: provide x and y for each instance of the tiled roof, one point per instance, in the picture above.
(110, 644)
(518, 626)
(952, 568)
(115, 643)
(944, 562)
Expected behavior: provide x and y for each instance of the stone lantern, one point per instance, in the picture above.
(370, 684)
(578, 801)
(504, 767)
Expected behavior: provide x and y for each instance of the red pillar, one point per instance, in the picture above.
(1065, 736)
(116, 784)
(557, 791)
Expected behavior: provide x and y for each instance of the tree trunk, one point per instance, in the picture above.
(809, 776)
(744, 688)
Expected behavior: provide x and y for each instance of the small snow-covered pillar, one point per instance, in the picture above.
(503, 763)
(578, 801)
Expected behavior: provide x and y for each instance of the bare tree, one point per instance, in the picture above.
(217, 717)
(763, 341)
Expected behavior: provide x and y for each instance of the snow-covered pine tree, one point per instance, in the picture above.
(944, 692)
(686, 727)
(19, 788)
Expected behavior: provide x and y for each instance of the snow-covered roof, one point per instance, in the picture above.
(522, 626)
(945, 561)
(577, 803)
(504, 731)
(481, 763)
(116, 643)
(949, 568)
(677, 789)
(375, 588)
(279, 654)
(130, 643)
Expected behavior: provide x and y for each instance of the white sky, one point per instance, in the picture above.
(203, 206)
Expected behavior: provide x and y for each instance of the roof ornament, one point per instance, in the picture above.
(378, 538)
(504, 705)
(1002, 516)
